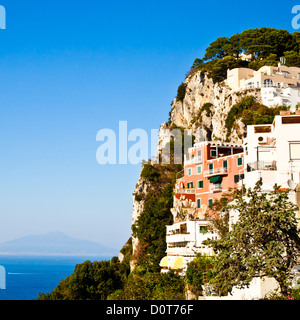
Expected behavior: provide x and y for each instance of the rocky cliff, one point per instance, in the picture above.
(204, 106)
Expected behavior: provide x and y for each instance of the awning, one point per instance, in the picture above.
(164, 262)
(178, 263)
(215, 179)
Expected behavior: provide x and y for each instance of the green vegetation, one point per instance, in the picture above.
(265, 45)
(149, 173)
(264, 242)
(250, 112)
(151, 286)
(150, 228)
(199, 272)
(181, 92)
(90, 281)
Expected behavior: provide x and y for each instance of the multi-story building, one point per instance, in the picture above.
(278, 85)
(272, 153)
(267, 76)
(210, 169)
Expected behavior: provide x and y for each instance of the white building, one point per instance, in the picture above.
(289, 96)
(184, 241)
(278, 85)
(272, 152)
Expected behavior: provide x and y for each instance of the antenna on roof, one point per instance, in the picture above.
(283, 60)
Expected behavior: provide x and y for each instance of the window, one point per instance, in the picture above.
(211, 168)
(198, 203)
(295, 151)
(200, 184)
(285, 74)
(190, 185)
(210, 202)
(238, 177)
(268, 83)
(240, 161)
(225, 165)
(213, 153)
(199, 155)
(190, 171)
(199, 169)
(203, 229)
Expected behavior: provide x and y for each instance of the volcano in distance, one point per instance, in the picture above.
(54, 243)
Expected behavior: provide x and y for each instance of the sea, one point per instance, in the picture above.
(27, 276)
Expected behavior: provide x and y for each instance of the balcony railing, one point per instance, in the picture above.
(186, 191)
(193, 160)
(215, 187)
(262, 165)
(215, 171)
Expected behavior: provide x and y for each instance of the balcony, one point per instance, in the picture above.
(262, 165)
(185, 191)
(215, 188)
(179, 237)
(193, 161)
(216, 171)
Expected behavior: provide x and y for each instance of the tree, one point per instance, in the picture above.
(216, 49)
(90, 281)
(151, 286)
(198, 272)
(264, 242)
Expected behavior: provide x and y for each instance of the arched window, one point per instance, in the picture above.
(268, 83)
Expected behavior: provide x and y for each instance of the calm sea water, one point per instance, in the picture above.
(27, 276)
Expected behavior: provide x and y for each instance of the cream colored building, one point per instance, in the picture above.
(267, 76)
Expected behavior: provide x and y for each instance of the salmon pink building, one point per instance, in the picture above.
(210, 169)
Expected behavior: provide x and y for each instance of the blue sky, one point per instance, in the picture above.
(71, 68)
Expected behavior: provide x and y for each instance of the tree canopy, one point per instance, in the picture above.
(265, 46)
(264, 241)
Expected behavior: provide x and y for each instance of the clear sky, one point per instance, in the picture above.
(71, 68)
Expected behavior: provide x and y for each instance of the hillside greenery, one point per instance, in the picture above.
(265, 46)
(251, 112)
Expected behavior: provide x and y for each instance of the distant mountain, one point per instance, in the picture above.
(54, 243)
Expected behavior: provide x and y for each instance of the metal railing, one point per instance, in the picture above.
(262, 165)
(223, 170)
(215, 187)
(186, 191)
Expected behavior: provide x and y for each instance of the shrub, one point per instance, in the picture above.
(149, 173)
(181, 92)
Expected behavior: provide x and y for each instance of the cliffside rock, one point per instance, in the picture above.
(203, 111)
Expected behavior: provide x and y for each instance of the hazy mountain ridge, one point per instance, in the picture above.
(54, 243)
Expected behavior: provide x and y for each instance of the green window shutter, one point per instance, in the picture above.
(199, 169)
(190, 171)
(198, 203)
(200, 184)
(210, 202)
(240, 161)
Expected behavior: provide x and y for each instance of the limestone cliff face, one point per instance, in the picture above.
(201, 90)
(205, 106)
